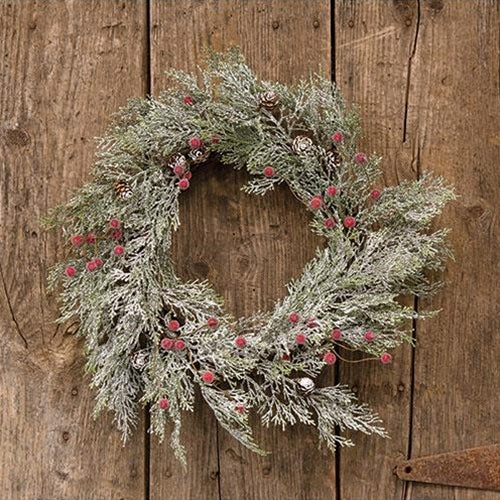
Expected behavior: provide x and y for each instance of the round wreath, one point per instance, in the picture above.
(151, 338)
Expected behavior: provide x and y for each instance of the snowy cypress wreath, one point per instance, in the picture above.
(151, 339)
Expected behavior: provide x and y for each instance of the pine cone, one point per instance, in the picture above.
(302, 145)
(305, 385)
(123, 190)
(198, 155)
(139, 360)
(176, 159)
(269, 99)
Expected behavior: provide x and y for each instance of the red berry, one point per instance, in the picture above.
(98, 262)
(369, 336)
(90, 238)
(286, 357)
(114, 223)
(213, 322)
(331, 190)
(167, 343)
(70, 271)
(77, 240)
(268, 171)
(329, 358)
(349, 222)
(163, 403)
(294, 317)
(240, 408)
(173, 325)
(187, 99)
(188, 175)
(183, 184)
(375, 194)
(195, 142)
(91, 266)
(386, 358)
(316, 202)
(215, 139)
(240, 342)
(338, 137)
(300, 338)
(116, 234)
(208, 377)
(360, 158)
(336, 334)
(179, 345)
(118, 250)
(329, 223)
(179, 170)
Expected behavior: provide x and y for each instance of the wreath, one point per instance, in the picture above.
(152, 339)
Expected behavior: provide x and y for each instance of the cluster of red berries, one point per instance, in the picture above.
(78, 240)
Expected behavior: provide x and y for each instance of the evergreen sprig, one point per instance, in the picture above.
(120, 282)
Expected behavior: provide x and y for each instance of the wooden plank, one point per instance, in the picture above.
(374, 44)
(454, 123)
(56, 94)
(247, 247)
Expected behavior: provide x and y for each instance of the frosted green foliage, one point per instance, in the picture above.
(353, 284)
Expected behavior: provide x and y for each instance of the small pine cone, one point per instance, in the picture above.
(305, 385)
(139, 360)
(302, 145)
(198, 155)
(269, 99)
(333, 159)
(123, 190)
(176, 159)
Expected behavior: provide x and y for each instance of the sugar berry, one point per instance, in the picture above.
(375, 194)
(294, 317)
(349, 222)
(116, 234)
(369, 336)
(268, 171)
(167, 343)
(163, 403)
(183, 184)
(316, 202)
(240, 341)
(360, 158)
(337, 136)
(331, 190)
(329, 223)
(213, 322)
(187, 99)
(179, 345)
(70, 271)
(188, 175)
(386, 358)
(329, 358)
(98, 262)
(77, 240)
(208, 377)
(118, 250)
(114, 224)
(286, 357)
(336, 334)
(173, 325)
(90, 238)
(300, 338)
(195, 142)
(91, 266)
(240, 408)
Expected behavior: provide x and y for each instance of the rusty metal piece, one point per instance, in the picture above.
(473, 468)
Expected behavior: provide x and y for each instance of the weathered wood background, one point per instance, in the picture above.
(425, 75)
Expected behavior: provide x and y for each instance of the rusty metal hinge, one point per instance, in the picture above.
(472, 468)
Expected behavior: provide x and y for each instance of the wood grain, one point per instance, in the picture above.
(248, 247)
(373, 45)
(454, 124)
(56, 94)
